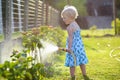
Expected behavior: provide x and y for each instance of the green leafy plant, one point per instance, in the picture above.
(25, 65)
(32, 43)
(22, 67)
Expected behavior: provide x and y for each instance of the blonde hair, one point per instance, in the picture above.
(69, 11)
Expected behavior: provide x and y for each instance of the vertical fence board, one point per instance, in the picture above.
(1, 25)
(36, 13)
(42, 13)
(19, 15)
(8, 33)
(12, 17)
(26, 5)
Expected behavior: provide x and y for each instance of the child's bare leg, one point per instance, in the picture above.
(83, 69)
(72, 71)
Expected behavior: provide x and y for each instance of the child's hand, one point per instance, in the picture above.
(64, 49)
(68, 50)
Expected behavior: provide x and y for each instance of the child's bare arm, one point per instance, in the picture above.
(70, 37)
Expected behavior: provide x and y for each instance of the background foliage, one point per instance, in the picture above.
(79, 4)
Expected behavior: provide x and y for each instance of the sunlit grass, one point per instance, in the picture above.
(101, 66)
(14, 36)
(98, 32)
(1, 37)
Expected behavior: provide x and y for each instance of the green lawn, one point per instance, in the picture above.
(14, 36)
(100, 67)
(98, 32)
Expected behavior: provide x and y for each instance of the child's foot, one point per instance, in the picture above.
(86, 77)
(73, 78)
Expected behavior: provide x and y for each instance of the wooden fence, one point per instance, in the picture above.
(1, 28)
(19, 15)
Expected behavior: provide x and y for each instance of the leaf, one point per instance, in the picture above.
(28, 76)
(1, 65)
(12, 65)
(18, 55)
(7, 74)
(39, 45)
(29, 59)
(6, 64)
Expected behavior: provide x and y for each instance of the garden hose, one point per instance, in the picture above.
(71, 52)
(115, 53)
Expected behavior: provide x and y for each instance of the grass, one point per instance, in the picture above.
(98, 32)
(14, 36)
(100, 67)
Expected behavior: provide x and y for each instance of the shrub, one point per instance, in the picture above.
(24, 66)
(32, 44)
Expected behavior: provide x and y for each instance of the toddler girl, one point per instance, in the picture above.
(74, 42)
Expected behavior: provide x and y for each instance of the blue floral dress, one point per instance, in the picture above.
(78, 51)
